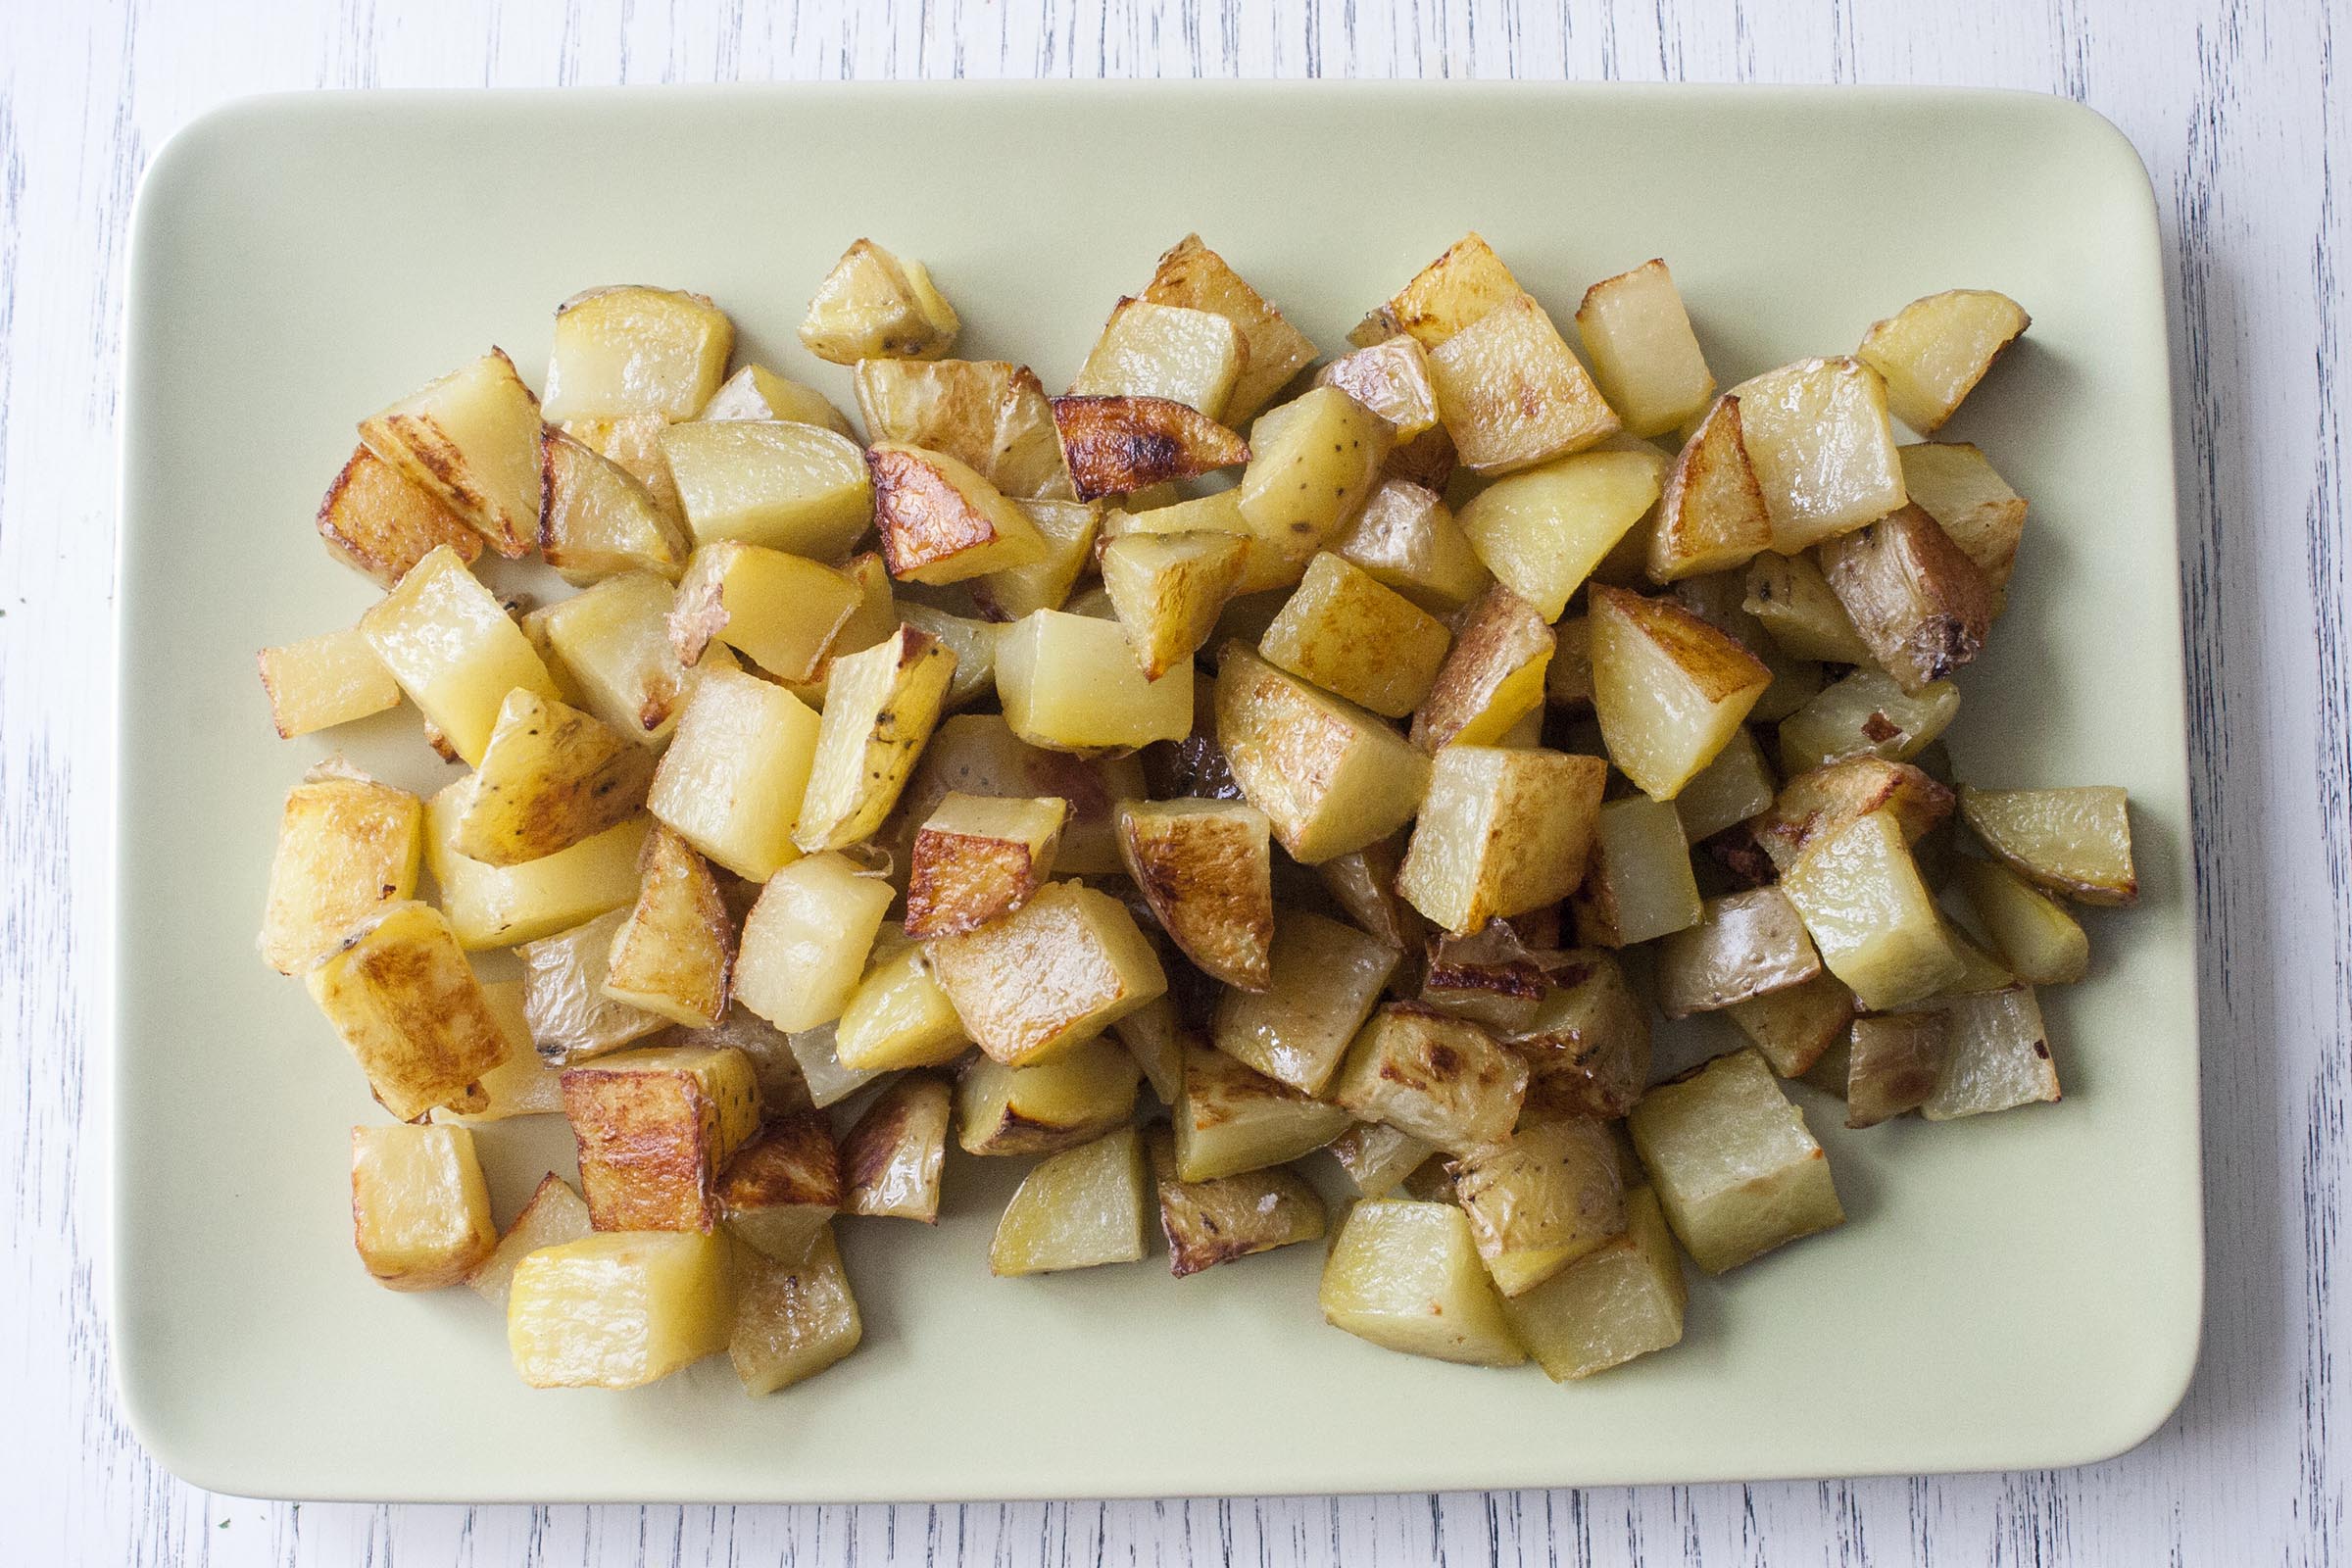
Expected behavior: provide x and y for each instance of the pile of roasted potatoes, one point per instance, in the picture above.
(1355, 751)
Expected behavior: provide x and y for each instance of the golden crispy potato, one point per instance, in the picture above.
(1540, 1198)
(781, 611)
(1168, 590)
(1512, 394)
(631, 350)
(891, 1160)
(876, 306)
(504, 905)
(1816, 804)
(1205, 868)
(550, 777)
(1442, 1079)
(473, 439)
(1734, 1169)
(798, 488)
(379, 521)
(1207, 1223)
(1312, 463)
(1711, 514)
(1823, 454)
(1668, 688)
(1391, 380)
(1325, 979)
(633, 443)
(1457, 289)
(408, 1006)
(733, 780)
(1330, 777)
(1503, 830)
(347, 846)
(1493, 677)
(1046, 1108)
(419, 1209)
(1165, 350)
(1119, 445)
(1230, 1118)
(1953, 483)
(942, 522)
(1067, 530)
(1588, 1042)
(1623, 1299)
(1933, 351)
(673, 953)
(805, 941)
(784, 1187)
(554, 1216)
(1743, 945)
(568, 1015)
(1800, 611)
(1917, 600)
(1081, 1209)
(1050, 975)
(757, 392)
(880, 709)
(1356, 639)
(1193, 275)
(1406, 1276)
(2075, 842)
(1795, 1027)
(655, 1127)
(1644, 356)
(1866, 714)
(1408, 539)
(978, 754)
(990, 415)
(454, 650)
(619, 1310)
(596, 521)
(977, 857)
(792, 1320)
(1870, 916)
(525, 1084)
(1543, 531)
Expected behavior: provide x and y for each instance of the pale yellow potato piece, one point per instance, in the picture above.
(1072, 683)
(783, 612)
(633, 442)
(1711, 514)
(1866, 714)
(1667, 688)
(1871, 915)
(1081, 1209)
(655, 1127)
(1512, 394)
(1997, 1058)
(1933, 351)
(1205, 868)
(1230, 1118)
(1053, 973)
(1823, 453)
(1406, 1276)
(1169, 589)
(1408, 539)
(598, 520)
(757, 392)
(1156, 1036)
(988, 414)
(1639, 884)
(1330, 776)
(1493, 675)
(1344, 632)
(323, 681)
(1312, 463)
(1391, 380)
(1376, 1158)
(1502, 830)
(505, 905)
(1457, 289)
(380, 522)
(1953, 483)
(619, 1309)
(2076, 842)
(783, 1187)
(1540, 1198)
(1588, 1042)
(805, 941)
(1207, 1223)
(2038, 940)
(1619, 1301)
(798, 488)
(943, 523)
(1796, 1027)
(1646, 358)
(673, 953)
(733, 780)
(550, 777)
(792, 1320)
(880, 709)
(419, 1209)
(1067, 530)
(891, 1160)
(473, 439)
(1542, 532)
(877, 306)
(978, 754)
(525, 1084)
(347, 846)
(972, 642)
(1728, 791)
(1734, 1168)
(898, 1016)
(613, 644)
(1191, 274)
(407, 1004)
(1217, 512)
(633, 349)
(1325, 978)
(554, 1216)
(1364, 884)
(1164, 350)
(1050, 1106)
(1800, 611)
(454, 650)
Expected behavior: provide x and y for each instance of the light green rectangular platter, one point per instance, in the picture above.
(2022, 1290)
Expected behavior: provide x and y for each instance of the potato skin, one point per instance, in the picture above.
(1205, 870)
(380, 522)
(1119, 445)
(1921, 605)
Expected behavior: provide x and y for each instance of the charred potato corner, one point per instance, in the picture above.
(1232, 786)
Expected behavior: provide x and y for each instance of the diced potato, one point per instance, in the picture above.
(876, 306)
(323, 681)
(1821, 803)
(1587, 1041)
(1866, 714)
(1568, 679)
(1639, 884)
(1621, 1301)
(1492, 678)
(1503, 830)
(1363, 883)
(571, 1017)
(733, 782)
(1746, 945)
(1644, 356)
(1512, 394)
(550, 777)
(1668, 688)
(792, 1320)
(1953, 483)
(1442, 1079)
(619, 1309)
(454, 650)
(525, 1084)
(1406, 1276)
(672, 952)
(1273, 351)
(1998, 1056)
(1728, 791)
(1053, 973)
(598, 522)
(1164, 350)
(419, 1210)
(405, 1004)
(1205, 868)
(655, 1127)
(1116, 446)
(783, 1187)
(1067, 530)
(1349, 635)
(347, 846)
(1428, 460)
(1168, 590)
(804, 942)
(1541, 1199)
(1735, 1171)
(1312, 463)
(614, 642)
(473, 439)
(898, 1016)
(781, 611)
(880, 711)
(1933, 351)
(1078, 1209)
(1544, 532)
(1800, 611)
(1376, 1158)
(633, 442)
(1325, 978)
(972, 642)
(978, 856)
(1230, 1118)
(978, 754)
(1490, 978)
(380, 522)
(1870, 916)
(1207, 1223)
(1072, 683)
(1711, 514)
(1046, 1108)
(821, 1072)
(757, 392)
(2039, 942)
(630, 350)
(1406, 538)
(988, 415)
(1823, 454)
(555, 1215)
(1892, 1064)
(1795, 1027)
(798, 488)
(504, 907)
(1918, 602)
(1154, 1035)
(943, 523)
(783, 1087)
(1980, 971)
(1449, 294)
(2075, 842)
(1391, 380)
(1719, 598)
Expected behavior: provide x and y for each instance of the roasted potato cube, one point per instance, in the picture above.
(1800, 611)
(804, 942)
(1406, 538)
(1727, 792)
(876, 306)
(826, 1081)
(1168, 590)
(781, 611)
(942, 522)
(1442, 1079)
(1406, 1276)
(1457, 288)
(596, 521)
(1312, 463)
(1623, 1299)
(1644, 356)
(555, 1215)
(633, 442)
(1273, 351)
(1866, 714)
(1205, 868)
(972, 642)
(792, 1319)
(1356, 639)
(1919, 603)
(1503, 830)
(784, 1187)
(672, 952)
(1067, 530)
(880, 711)
(630, 350)
(1746, 945)
(655, 1127)
(619, 1309)
(504, 907)
(734, 779)
(323, 681)
(452, 647)
(2041, 944)
(783, 1087)
(1324, 979)
(1568, 679)
(2073, 841)
(1823, 454)
(1719, 599)
(898, 1016)
(1870, 916)
(1207, 1223)
(1217, 512)
(1796, 1026)
(1154, 1035)
(757, 392)
(1078, 1209)
(1821, 803)
(798, 488)
(1892, 1064)
(1072, 683)
(1512, 394)
(1364, 884)
(988, 415)
(419, 1210)
(1735, 1171)
(408, 1006)
(1230, 1118)
(347, 846)
(1955, 484)
(1541, 1199)
(571, 1016)
(1391, 380)
(614, 642)
(1711, 514)
(1668, 688)
(1375, 1157)
(1933, 351)
(1046, 1108)
(1493, 677)
(1050, 974)
(1542, 532)
(978, 856)
(550, 777)
(473, 439)
(1998, 1056)
(1116, 446)
(1489, 978)
(525, 1084)
(1587, 1042)
(1639, 884)
(978, 754)
(380, 522)
(1187, 355)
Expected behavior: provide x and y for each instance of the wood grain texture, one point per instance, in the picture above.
(2238, 113)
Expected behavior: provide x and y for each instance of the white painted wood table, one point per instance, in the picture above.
(2244, 126)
